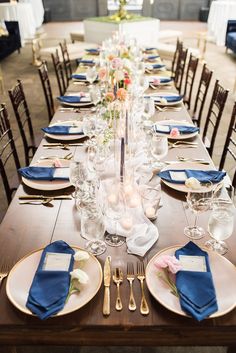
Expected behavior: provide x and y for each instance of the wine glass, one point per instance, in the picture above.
(89, 126)
(95, 94)
(198, 202)
(93, 229)
(91, 74)
(159, 149)
(78, 174)
(220, 225)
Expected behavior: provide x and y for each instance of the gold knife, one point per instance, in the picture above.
(42, 197)
(107, 280)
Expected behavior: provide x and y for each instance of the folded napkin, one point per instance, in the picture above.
(44, 173)
(150, 49)
(79, 77)
(84, 61)
(160, 79)
(168, 99)
(153, 57)
(49, 289)
(63, 130)
(203, 176)
(93, 50)
(195, 287)
(73, 99)
(158, 66)
(183, 129)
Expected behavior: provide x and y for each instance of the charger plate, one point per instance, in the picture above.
(48, 185)
(21, 276)
(68, 137)
(224, 277)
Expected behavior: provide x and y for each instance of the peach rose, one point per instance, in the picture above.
(121, 94)
(174, 132)
(102, 73)
(109, 97)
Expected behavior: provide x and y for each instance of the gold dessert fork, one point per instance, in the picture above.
(130, 279)
(118, 279)
(141, 277)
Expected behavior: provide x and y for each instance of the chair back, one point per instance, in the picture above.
(214, 114)
(8, 152)
(230, 144)
(179, 46)
(180, 67)
(203, 87)
(23, 118)
(66, 61)
(58, 67)
(189, 79)
(43, 74)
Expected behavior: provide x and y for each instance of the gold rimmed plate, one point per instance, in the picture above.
(224, 277)
(21, 276)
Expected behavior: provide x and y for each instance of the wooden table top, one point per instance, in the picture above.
(26, 228)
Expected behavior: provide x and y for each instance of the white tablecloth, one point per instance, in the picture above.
(23, 13)
(38, 10)
(220, 13)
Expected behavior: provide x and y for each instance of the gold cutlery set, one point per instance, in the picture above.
(118, 279)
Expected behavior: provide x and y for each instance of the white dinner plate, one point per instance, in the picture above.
(66, 137)
(21, 276)
(47, 185)
(224, 277)
(174, 122)
(186, 165)
(79, 104)
(163, 94)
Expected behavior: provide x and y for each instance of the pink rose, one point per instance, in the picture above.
(109, 96)
(121, 94)
(57, 163)
(156, 81)
(82, 94)
(102, 73)
(174, 132)
(167, 261)
(116, 64)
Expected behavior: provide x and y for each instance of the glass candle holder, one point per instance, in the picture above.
(150, 197)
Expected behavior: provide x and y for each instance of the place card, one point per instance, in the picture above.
(162, 128)
(193, 263)
(56, 262)
(62, 173)
(75, 130)
(178, 176)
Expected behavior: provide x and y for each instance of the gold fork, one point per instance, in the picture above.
(130, 278)
(4, 272)
(141, 277)
(118, 279)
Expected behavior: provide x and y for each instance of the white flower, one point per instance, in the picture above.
(119, 75)
(163, 101)
(81, 256)
(80, 275)
(192, 183)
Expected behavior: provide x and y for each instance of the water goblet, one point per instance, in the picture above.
(91, 74)
(198, 202)
(159, 149)
(220, 225)
(89, 126)
(95, 94)
(93, 229)
(78, 174)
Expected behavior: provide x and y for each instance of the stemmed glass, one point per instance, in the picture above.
(78, 174)
(220, 225)
(91, 74)
(95, 94)
(198, 202)
(149, 108)
(159, 149)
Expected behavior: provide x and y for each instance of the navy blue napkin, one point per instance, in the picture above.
(79, 77)
(49, 289)
(84, 61)
(162, 80)
(152, 57)
(61, 130)
(40, 173)
(93, 51)
(203, 176)
(196, 289)
(71, 99)
(150, 49)
(183, 129)
(169, 99)
(158, 66)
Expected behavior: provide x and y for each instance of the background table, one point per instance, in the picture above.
(38, 10)
(220, 13)
(23, 13)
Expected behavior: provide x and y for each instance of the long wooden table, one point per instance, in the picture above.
(26, 228)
